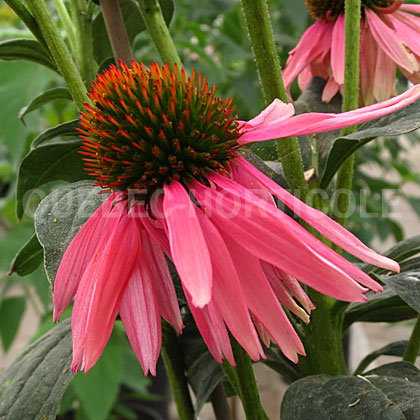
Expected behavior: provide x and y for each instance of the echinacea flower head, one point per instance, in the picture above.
(388, 40)
(166, 149)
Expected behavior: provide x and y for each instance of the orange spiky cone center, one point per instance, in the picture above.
(148, 127)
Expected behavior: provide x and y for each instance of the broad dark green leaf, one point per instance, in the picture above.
(11, 312)
(203, 372)
(393, 349)
(28, 258)
(60, 216)
(413, 264)
(49, 162)
(98, 389)
(50, 95)
(389, 392)
(406, 285)
(32, 387)
(67, 129)
(400, 122)
(382, 307)
(133, 22)
(26, 49)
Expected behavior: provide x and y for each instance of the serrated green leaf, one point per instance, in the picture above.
(393, 349)
(60, 216)
(67, 129)
(28, 258)
(26, 49)
(406, 285)
(50, 95)
(32, 387)
(49, 162)
(400, 122)
(11, 312)
(133, 22)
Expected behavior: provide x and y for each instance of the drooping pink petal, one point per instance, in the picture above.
(101, 289)
(321, 222)
(330, 90)
(390, 42)
(262, 331)
(337, 50)
(227, 284)
(188, 246)
(262, 301)
(78, 254)
(307, 50)
(313, 122)
(384, 82)
(368, 54)
(266, 232)
(139, 311)
(304, 78)
(415, 8)
(162, 280)
(408, 28)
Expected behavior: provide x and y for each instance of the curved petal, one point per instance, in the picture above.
(330, 90)
(139, 311)
(188, 246)
(321, 222)
(315, 122)
(92, 236)
(337, 50)
(408, 28)
(368, 54)
(384, 81)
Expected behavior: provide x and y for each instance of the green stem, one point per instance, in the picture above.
(220, 404)
(155, 23)
(323, 340)
(350, 101)
(82, 16)
(413, 346)
(59, 50)
(65, 19)
(117, 31)
(261, 35)
(173, 359)
(243, 380)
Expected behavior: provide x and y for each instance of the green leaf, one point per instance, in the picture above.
(50, 95)
(406, 285)
(382, 307)
(11, 312)
(276, 362)
(67, 129)
(32, 387)
(393, 349)
(203, 372)
(133, 22)
(98, 389)
(400, 122)
(60, 216)
(391, 393)
(26, 49)
(48, 162)
(28, 258)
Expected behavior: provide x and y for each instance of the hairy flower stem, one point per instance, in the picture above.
(59, 51)
(67, 23)
(261, 35)
(220, 404)
(350, 101)
(413, 346)
(173, 360)
(155, 23)
(116, 30)
(242, 379)
(82, 14)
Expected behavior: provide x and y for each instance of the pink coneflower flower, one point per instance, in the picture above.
(389, 39)
(166, 148)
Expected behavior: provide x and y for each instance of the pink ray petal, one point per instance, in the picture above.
(384, 81)
(267, 232)
(390, 42)
(225, 285)
(321, 222)
(139, 311)
(337, 50)
(415, 8)
(368, 54)
(330, 90)
(188, 246)
(78, 254)
(408, 28)
(262, 331)
(262, 301)
(314, 122)
(101, 289)
(304, 78)
(162, 280)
